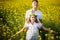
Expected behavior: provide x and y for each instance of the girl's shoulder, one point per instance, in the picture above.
(27, 23)
(39, 24)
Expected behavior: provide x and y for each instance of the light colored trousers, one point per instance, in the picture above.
(32, 38)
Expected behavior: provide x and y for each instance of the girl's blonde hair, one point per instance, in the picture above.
(34, 16)
(31, 14)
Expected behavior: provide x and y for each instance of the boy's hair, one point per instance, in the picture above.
(35, 0)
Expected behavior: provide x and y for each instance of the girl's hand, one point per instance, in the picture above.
(53, 32)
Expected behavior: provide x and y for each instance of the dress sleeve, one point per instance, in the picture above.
(40, 24)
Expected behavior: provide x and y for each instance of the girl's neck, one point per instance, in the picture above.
(32, 23)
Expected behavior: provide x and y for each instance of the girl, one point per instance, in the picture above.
(32, 28)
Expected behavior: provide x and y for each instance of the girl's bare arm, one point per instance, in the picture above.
(19, 31)
(46, 29)
(22, 29)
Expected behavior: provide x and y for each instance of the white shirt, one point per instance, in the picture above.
(39, 14)
(32, 29)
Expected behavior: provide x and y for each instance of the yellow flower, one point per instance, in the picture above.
(39, 37)
(4, 33)
(56, 36)
(0, 18)
(21, 39)
(31, 14)
(51, 31)
(52, 37)
(46, 34)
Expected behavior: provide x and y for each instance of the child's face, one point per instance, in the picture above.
(34, 4)
(32, 18)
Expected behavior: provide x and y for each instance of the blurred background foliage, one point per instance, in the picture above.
(12, 18)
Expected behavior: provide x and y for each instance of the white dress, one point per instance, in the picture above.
(32, 32)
